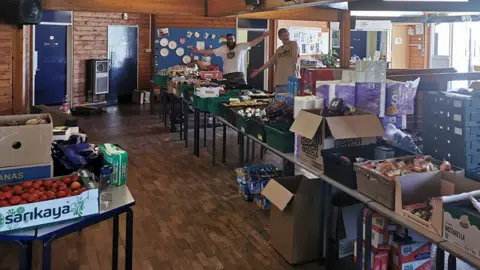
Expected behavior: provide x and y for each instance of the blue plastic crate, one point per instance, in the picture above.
(454, 109)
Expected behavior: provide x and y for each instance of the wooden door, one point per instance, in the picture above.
(400, 53)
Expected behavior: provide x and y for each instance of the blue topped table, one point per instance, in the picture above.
(122, 201)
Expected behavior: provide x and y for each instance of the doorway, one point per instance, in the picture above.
(256, 57)
(123, 60)
(50, 71)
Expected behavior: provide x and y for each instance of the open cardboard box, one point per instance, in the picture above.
(419, 187)
(294, 217)
(25, 144)
(319, 133)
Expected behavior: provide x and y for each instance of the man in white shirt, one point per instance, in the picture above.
(233, 56)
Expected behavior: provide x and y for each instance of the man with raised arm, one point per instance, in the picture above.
(233, 56)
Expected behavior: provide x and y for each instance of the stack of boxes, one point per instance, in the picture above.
(451, 129)
(368, 89)
(25, 147)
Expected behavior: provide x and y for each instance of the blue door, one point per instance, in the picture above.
(358, 43)
(51, 73)
(122, 55)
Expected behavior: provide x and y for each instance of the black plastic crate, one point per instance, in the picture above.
(341, 170)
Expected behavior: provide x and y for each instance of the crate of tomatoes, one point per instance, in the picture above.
(38, 202)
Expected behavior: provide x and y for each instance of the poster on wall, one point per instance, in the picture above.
(162, 32)
(310, 40)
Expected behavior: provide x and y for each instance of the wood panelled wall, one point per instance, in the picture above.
(181, 21)
(6, 52)
(90, 41)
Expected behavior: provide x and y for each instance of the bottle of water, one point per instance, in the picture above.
(105, 183)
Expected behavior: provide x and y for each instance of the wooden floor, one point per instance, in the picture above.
(188, 214)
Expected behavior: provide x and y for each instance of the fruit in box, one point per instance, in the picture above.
(42, 203)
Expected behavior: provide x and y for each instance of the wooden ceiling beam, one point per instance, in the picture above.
(221, 8)
(178, 7)
(297, 14)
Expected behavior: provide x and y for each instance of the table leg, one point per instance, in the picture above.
(214, 148)
(238, 137)
(25, 258)
(368, 239)
(164, 107)
(241, 160)
(329, 224)
(452, 262)
(248, 149)
(115, 243)
(321, 222)
(288, 168)
(47, 254)
(360, 238)
(172, 116)
(185, 121)
(129, 241)
(197, 133)
(181, 129)
(261, 152)
(253, 150)
(224, 149)
(440, 261)
(205, 123)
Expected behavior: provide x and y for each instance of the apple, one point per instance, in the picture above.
(75, 186)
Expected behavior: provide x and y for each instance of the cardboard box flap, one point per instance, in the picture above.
(277, 194)
(307, 123)
(356, 126)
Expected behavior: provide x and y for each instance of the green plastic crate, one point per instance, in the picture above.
(280, 137)
(241, 123)
(215, 105)
(256, 129)
(202, 104)
(160, 80)
(230, 114)
(185, 91)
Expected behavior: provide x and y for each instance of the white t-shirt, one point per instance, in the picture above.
(233, 59)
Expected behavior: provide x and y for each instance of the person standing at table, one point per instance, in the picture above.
(233, 56)
(285, 60)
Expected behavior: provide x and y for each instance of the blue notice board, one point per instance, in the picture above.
(176, 34)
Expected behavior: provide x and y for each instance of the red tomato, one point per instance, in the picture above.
(4, 203)
(38, 193)
(54, 190)
(54, 185)
(8, 195)
(32, 198)
(75, 186)
(27, 184)
(31, 190)
(2, 196)
(43, 198)
(50, 195)
(41, 188)
(75, 178)
(6, 188)
(23, 202)
(18, 190)
(25, 196)
(61, 194)
(76, 192)
(37, 184)
(15, 200)
(62, 187)
(83, 189)
(67, 181)
(47, 183)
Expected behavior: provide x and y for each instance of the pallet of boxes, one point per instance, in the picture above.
(29, 194)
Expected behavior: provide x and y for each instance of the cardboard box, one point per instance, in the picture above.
(116, 158)
(407, 254)
(25, 144)
(211, 75)
(141, 97)
(418, 188)
(379, 258)
(24, 173)
(380, 234)
(462, 225)
(62, 133)
(294, 217)
(320, 133)
(40, 213)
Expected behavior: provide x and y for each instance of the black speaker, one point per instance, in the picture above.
(353, 22)
(21, 12)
